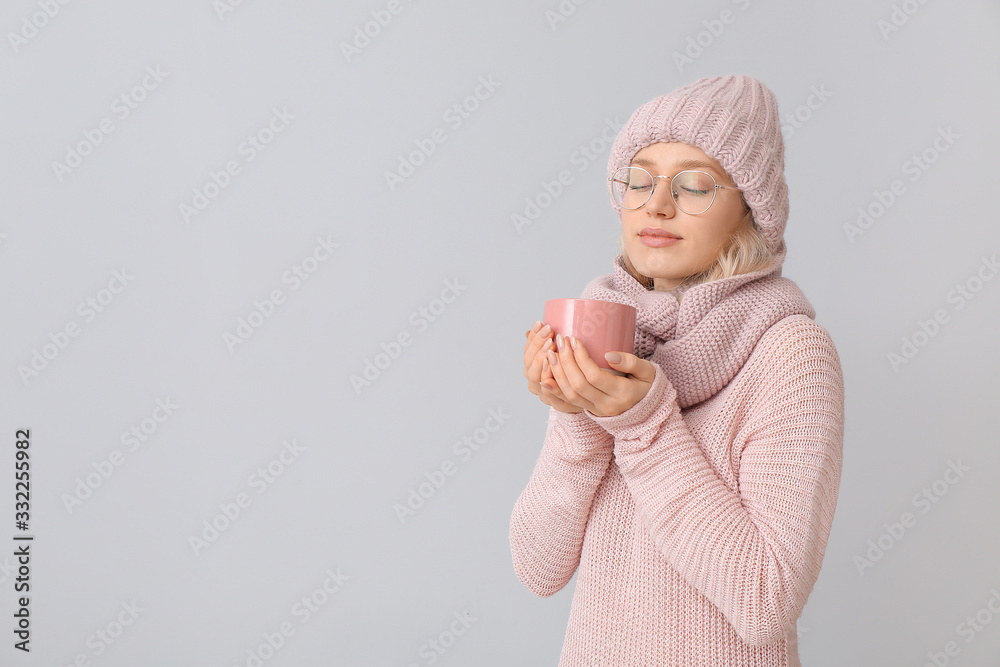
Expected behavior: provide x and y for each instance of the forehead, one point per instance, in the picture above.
(664, 156)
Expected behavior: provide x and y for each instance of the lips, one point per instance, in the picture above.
(653, 231)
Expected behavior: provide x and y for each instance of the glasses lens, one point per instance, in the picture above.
(693, 191)
(631, 187)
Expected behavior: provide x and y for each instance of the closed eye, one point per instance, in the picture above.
(695, 192)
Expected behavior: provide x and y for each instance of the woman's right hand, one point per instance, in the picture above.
(536, 368)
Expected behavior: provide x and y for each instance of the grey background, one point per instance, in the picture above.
(332, 507)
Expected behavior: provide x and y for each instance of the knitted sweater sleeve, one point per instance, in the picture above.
(756, 551)
(549, 519)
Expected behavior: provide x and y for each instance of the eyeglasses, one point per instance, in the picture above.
(693, 191)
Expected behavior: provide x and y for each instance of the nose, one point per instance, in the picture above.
(662, 201)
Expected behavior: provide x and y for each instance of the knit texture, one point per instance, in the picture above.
(694, 340)
(732, 119)
(697, 520)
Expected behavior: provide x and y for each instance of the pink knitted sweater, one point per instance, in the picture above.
(699, 517)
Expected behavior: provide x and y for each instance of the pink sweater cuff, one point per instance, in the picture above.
(587, 437)
(629, 425)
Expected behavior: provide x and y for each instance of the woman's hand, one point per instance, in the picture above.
(536, 368)
(582, 383)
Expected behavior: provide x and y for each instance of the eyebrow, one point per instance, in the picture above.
(687, 163)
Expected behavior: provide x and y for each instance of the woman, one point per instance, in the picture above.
(695, 492)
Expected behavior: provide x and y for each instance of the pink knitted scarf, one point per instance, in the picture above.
(703, 341)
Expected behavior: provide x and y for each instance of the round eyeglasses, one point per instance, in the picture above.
(693, 191)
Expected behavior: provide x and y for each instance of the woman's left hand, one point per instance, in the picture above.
(577, 379)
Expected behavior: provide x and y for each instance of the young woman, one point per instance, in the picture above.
(696, 492)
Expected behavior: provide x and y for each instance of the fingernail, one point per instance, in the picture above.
(544, 331)
(572, 341)
(553, 359)
(536, 326)
(548, 345)
(560, 343)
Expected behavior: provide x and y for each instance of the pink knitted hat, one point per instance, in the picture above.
(733, 119)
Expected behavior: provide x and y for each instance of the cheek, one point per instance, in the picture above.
(630, 227)
(719, 228)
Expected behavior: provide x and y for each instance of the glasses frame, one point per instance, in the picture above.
(673, 194)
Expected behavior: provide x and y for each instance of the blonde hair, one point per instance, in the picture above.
(746, 251)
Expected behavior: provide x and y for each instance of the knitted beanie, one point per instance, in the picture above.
(733, 119)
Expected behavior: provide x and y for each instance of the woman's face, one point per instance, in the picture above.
(702, 236)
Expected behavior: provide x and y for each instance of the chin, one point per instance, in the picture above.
(650, 262)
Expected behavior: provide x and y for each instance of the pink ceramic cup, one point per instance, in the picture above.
(603, 326)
